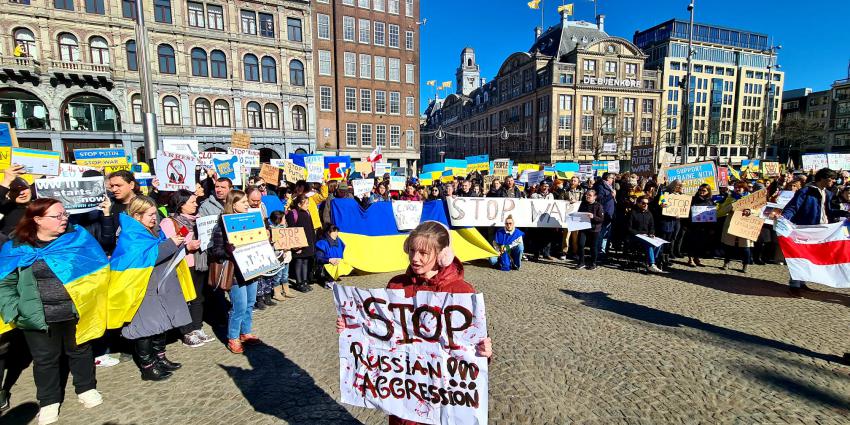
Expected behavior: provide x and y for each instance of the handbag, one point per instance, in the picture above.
(221, 275)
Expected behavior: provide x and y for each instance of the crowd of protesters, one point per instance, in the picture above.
(620, 209)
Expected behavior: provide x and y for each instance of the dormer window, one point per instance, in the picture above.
(611, 49)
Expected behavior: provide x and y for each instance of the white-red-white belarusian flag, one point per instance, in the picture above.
(376, 155)
(819, 253)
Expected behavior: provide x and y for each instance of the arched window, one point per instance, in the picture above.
(203, 113)
(170, 111)
(69, 48)
(167, 65)
(88, 112)
(269, 70)
(299, 118)
(26, 39)
(22, 110)
(255, 120)
(222, 113)
(132, 59)
(99, 50)
(296, 73)
(272, 115)
(199, 62)
(252, 68)
(218, 62)
(136, 101)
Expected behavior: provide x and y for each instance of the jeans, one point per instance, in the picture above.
(652, 252)
(196, 306)
(589, 239)
(601, 242)
(243, 298)
(282, 276)
(302, 270)
(515, 255)
(47, 349)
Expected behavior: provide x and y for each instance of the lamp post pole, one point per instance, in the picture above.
(686, 98)
(769, 96)
(149, 128)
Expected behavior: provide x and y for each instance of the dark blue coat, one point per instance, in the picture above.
(605, 197)
(805, 207)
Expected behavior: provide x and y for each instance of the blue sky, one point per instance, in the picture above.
(815, 40)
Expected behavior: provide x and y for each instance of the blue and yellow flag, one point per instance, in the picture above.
(734, 173)
(79, 263)
(131, 265)
(374, 243)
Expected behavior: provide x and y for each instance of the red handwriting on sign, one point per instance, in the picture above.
(444, 321)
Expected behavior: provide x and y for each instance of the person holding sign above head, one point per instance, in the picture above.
(122, 188)
(433, 267)
(299, 216)
(699, 234)
(508, 242)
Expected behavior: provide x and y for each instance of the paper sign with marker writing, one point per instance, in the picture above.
(315, 165)
(407, 214)
(288, 237)
(175, 171)
(745, 226)
(362, 186)
(676, 205)
(205, 226)
(249, 158)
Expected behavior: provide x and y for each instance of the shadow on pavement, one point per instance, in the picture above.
(275, 385)
(601, 301)
(797, 388)
(20, 414)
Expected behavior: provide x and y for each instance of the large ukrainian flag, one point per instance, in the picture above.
(374, 244)
(79, 263)
(130, 270)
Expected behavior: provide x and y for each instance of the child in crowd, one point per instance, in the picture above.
(329, 253)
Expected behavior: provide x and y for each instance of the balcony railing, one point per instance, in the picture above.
(80, 67)
(20, 64)
(609, 111)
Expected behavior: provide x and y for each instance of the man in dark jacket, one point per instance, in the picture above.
(509, 189)
(605, 196)
(641, 222)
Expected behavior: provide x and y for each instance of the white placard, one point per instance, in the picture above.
(652, 240)
(484, 212)
(73, 170)
(276, 162)
(362, 186)
(397, 182)
(815, 161)
(187, 147)
(78, 195)
(205, 158)
(248, 158)
(407, 214)
(613, 166)
(428, 343)
(175, 171)
(784, 198)
(704, 214)
(382, 168)
(255, 259)
(315, 165)
(205, 227)
(535, 177)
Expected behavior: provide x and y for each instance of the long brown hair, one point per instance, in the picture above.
(233, 197)
(26, 230)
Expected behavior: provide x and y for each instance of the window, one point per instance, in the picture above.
(392, 7)
(271, 114)
(631, 69)
(136, 103)
(196, 14)
(170, 111)
(199, 62)
(365, 134)
(69, 48)
(565, 102)
(629, 105)
(393, 36)
(267, 25)
(648, 106)
(222, 113)
(324, 62)
(162, 11)
(395, 103)
(610, 67)
(249, 22)
(380, 102)
(365, 31)
(296, 73)
(293, 29)
(348, 28)
(203, 113)
(167, 64)
(587, 123)
(365, 66)
(132, 60)
(215, 19)
(395, 136)
(325, 98)
(323, 26)
(350, 99)
(408, 40)
(64, 4)
(394, 69)
(350, 134)
(350, 68)
(345, 2)
(363, 3)
(95, 6)
(381, 135)
(251, 68)
(409, 73)
(409, 106)
(365, 100)
(255, 119)
(646, 124)
(378, 5)
(586, 143)
(99, 50)
(609, 102)
(408, 7)
(218, 61)
(269, 69)
(380, 68)
(565, 122)
(299, 118)
(565, 142)
(409, 137)
(590, 65)
(587, 103)
(26, 39)
(128, 9)
(379, 33)
(629, 124)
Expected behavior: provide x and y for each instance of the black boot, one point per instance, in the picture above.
(268, 301)
(259, 305)
(154, 373)
(147, 360)
(158, 344)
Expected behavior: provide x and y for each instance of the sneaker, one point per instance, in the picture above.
(192, 340)
(249, 339)
(654, 269)
(235, 346)
(106, 361)
(90, 398)
(562, 258)
(48, 414)
(328, 284)
(203, 336)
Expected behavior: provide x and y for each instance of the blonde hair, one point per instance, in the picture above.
(233, 197)
(139, 205)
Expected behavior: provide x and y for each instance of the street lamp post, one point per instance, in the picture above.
(769, 96)
(149, 129)
(686, 99)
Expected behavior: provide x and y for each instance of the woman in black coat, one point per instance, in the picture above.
(700, 236)
(587, 237)
(299, 216)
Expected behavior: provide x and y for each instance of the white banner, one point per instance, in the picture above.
(175, 171)
(205, 227)
(182, 146)
(414, 358)
(485, 212)
(407, 214)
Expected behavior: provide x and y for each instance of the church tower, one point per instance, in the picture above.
(468, 74)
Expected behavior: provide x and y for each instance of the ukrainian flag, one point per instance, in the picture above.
(374, 243)
(79, 263)
(131, 265)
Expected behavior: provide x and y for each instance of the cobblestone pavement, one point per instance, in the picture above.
(601, 347)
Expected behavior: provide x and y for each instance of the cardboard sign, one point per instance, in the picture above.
(315, 165)
(248, 158)
(175, 171)
(205, 226)
(488, 183)
(284, 238)
(704, 214)
(78, 195)
(37, 161)
(407, 214)
(754, 201)
(292, 173)
(255, 259)
(100, 157)
(397, 182)
(815, 161)
(676, 205)
(486, 212)
(642, 162)
(364, 168)
(415, 337)
(244, 228)
(240, 140)
(362, 187)
(270, 174)
(745, 226)
(771, 169)
(693, 175)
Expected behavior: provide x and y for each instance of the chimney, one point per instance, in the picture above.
(537, 32)
(600, 22)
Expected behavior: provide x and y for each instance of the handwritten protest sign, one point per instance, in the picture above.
(244, 228)
(704, 214)
(315, 165)
(771, 169)
(407, 214)
(415, 357)
(240, 140)
(486, 212)
(693, 175)
(175, 171)
(205, 158)
(784, 198)
(78, 195)
(642, 160)
(362, 186)
(745, 226)
(292, 173)
(72, 171)
(248, 158)
(501, 167)
(815, 161)
(205, 227)
(363, 167)
(255, 259)
(673, 205)
(288, 237)
(227, 166)
(839, 161)
(753, 201)
(270, 174)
